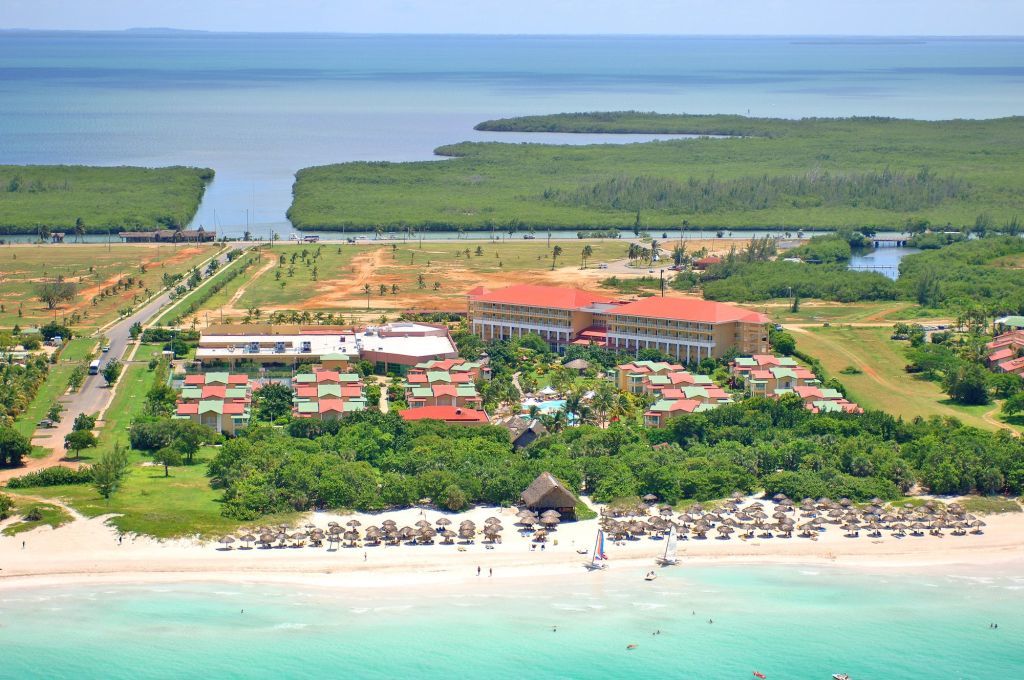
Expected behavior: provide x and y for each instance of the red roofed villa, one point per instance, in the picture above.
(449, 414)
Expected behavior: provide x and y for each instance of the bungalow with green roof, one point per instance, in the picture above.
(631, 376)
(220, 401)
(327, 394)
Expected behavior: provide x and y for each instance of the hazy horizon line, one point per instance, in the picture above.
(156, 30)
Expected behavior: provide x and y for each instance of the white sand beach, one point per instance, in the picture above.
(89, 551)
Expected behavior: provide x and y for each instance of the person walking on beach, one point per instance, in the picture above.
(490, 571)
(478, 570)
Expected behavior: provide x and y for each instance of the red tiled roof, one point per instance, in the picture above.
(808, 391)
(234, 408)
(688, 309)
(238, 379)
(215, 391)
(1013, 365)
(416, 378)
(327, 376)
(461, 378)
(350, 391)
(1000, 355)
(306, 391)
(445, 390)
(188, 409)
(195, 379)
(451, 414)
(541, 296)
(331, 405)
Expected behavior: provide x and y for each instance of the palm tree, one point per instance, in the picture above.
(556, 252)
(366, 292)
(605, 397)
(79, 229)
(588, 251)
(573, 404)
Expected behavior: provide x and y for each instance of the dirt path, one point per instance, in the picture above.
(989, 417)
(229, 306)
(75, 515)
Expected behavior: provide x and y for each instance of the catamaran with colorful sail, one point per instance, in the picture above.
(598, 558)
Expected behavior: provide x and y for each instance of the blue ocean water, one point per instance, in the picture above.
(256, 107)
(785, 622)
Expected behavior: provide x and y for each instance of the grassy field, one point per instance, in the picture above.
(882, 383)
(173, 312)
(79, 349)
(128, 402)
(343, 275)
(149, 503)
(93, 268)
(990, 504)
(50, 391)
(123, 198)
(813, 173)
(816, 311)
(49, 515)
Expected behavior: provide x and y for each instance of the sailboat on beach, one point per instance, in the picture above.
(598, 557)
(669, 558)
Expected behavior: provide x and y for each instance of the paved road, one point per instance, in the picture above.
(94, 395)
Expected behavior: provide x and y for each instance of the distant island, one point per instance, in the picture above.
(812, 173)
(98, 199)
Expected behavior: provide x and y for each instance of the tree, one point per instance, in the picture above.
(784, 343)
(967, 384)
(168, 456)
(13, 447)
(79, 229)
(112, 371)
(556, 253)
(55, 292)
(54, 413)
(588, 252)
(188, 436)
(1014, 404)
(272, 401)
(84, 421)
(78, 440)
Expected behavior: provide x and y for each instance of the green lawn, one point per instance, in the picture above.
(49, 515)
(79, 349)
(129, 400)
(116, 198)
(990, 504)
(149, 503)
(52, 388)
(882, 383)
(94, 269)
(811, 173)
(817, 311)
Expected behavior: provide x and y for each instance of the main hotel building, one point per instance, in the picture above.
(688, 329)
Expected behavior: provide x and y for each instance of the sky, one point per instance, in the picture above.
(674, 17)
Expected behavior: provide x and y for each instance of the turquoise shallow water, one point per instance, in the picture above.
(786, 622)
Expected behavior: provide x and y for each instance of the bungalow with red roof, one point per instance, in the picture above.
(221, 401)
(450, 414)
(327, 394)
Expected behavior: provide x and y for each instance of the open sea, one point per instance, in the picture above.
(785, 622)
(256, 107)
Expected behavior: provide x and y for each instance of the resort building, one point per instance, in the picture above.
(221, 401)
(772, 376)
(450, 382)
(547, 492)
(392, 348)
(1004, 349)
(449, 414)
(631, 376)
(663, 409)
(327, 394)
(688, 329)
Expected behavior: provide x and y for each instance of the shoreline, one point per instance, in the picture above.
(87, 551)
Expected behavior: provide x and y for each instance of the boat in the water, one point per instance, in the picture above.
(840, 676)
(650, 576)
(669, 557)
(597, 558)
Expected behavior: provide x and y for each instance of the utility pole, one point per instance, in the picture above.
(662, 271)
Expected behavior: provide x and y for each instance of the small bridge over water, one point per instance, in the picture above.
(889, 242)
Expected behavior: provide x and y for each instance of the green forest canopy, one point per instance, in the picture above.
(56, 196)
(372, 461)
(808, 173)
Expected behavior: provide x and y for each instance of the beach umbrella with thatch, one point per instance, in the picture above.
(353, 523)
(247, 539)
(650, 498)
(266, 539)
(226, 541)
(724, 530)
(443, 522)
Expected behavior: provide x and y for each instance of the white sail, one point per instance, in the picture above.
(670, 546)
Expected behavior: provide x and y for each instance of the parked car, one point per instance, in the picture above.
(603, 265)
(106, 348)
(46, 422)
